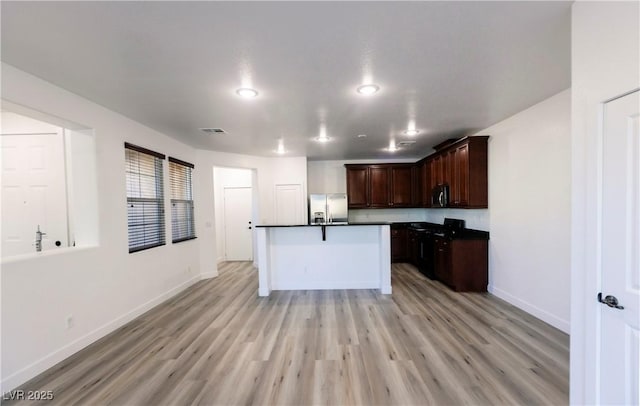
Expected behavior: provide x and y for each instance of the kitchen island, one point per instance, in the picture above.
(331, 256)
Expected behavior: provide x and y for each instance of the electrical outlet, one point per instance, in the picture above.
(70, 321)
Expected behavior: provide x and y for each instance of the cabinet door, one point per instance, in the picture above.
(447, 167)
(416, 185)
(378, 186)
(426, 184)
(401, 186)
(411, 244)
(357, 186)
(477, 173)
(450, 175)
(399, 249)
(442, 261)
(437, 171)
(462, 176)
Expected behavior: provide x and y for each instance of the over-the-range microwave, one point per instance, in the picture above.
(440, 196)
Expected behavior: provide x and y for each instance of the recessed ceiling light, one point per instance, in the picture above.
(392, 146)
(412, 132)
(323, 137)
(280, 149)
(406, 143)
(247, 93)
(362, 135)
(213, 130)
(368, 90)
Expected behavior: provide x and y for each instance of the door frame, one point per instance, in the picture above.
(586, 245)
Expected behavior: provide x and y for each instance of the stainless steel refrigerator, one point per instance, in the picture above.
(328, 208)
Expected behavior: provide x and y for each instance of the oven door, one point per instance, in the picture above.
(425, 254)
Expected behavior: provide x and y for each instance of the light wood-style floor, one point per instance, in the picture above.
(219, 343)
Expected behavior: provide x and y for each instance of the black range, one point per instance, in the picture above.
(423, 240)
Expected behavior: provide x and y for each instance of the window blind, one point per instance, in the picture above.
(145, 198)
(182, 219)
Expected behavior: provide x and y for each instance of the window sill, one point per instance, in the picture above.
(48, 253)
(183, 240)
(146, 248)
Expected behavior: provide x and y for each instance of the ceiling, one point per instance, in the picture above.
(452, 68)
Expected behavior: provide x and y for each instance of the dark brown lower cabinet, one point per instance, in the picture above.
(412, 242)
(399, 245)
(462, 264)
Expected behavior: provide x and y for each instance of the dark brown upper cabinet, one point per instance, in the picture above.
(469, 186)
(381, 186)
(461, 164)
(425, 183)
(402, 185)
(358, 186)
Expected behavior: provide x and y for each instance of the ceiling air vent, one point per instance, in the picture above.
(405, 143)
(213, 130)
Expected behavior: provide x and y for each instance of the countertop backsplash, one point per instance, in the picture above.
(392, 215)
(477, 219)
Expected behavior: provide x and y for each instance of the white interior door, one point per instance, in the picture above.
(289, 204)
(620, 272)
(33, 192)
(237, 224)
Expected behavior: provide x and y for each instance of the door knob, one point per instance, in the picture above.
(610, 301)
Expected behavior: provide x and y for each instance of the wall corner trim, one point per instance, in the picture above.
(561, 324)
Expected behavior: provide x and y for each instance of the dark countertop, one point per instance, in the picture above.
(378, 223)
(465, 234)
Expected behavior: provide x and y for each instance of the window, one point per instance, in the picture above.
(182, 221)
(145, 204)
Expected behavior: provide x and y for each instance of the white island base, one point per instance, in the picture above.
(354, 256)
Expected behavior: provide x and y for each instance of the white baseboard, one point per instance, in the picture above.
(220, 259)
(208, 275)
(534, 310)
(324, 285)
(18, 378)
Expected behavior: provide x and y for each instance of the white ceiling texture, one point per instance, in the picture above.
(448, 68)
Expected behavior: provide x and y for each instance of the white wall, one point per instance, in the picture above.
(268, 173)
(605, 64)
(530, 209)
(223, 178)
(13, 123)
(331, 177)
(102, 286)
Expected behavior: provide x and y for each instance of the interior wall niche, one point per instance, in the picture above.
(48, 183)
